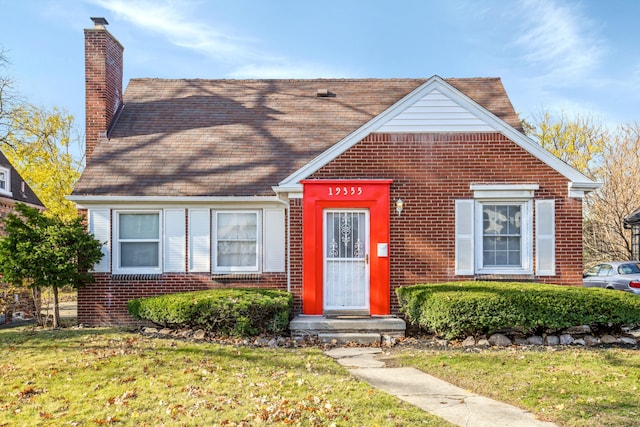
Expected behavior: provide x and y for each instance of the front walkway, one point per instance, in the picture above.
(431, 394)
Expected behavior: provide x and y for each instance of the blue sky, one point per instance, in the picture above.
(580, 57)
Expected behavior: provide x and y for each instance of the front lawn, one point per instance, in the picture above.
(571, 386)
(89, 377)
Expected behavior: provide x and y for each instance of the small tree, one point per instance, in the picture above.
(43, 251)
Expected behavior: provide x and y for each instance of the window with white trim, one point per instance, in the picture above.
(503, 237)
(5, 186)
(138, 242)
(236, 241)
(495, 231)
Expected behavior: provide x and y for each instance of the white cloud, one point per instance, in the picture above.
(559, 39)
(175, 21)
(169, 19)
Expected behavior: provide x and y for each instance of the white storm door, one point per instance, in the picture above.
(346, 260)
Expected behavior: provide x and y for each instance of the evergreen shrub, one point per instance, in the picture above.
(228, 311)
(454, 310)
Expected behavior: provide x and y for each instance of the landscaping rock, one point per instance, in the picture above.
(628, 340)
(261, 342)
(578, 330)
(609, 339)
(590, 341)
(148, 330)
(483, 343)
(165, 331)
(552, 340)
(499, 340)
(579, 341)
(199, 334)
(535, 340)
(520, 341)
(388, 340)
(566, 339)
(273, 343)
(469, 341)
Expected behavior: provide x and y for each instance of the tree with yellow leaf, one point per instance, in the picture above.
(609, 156)
(38, 146)
(38, 142)
(578, 141)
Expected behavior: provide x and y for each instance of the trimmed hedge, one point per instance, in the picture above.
(238, 312)
(459, 309)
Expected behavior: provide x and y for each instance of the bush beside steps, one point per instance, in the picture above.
(474, 309)
(228, 311)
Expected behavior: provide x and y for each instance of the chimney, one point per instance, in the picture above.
(103, 82)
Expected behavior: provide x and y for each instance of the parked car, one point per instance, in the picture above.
(621, 275)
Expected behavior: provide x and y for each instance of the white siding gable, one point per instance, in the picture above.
(435, 112)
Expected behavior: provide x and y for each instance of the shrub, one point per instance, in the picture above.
(471, 308)
(239, 312)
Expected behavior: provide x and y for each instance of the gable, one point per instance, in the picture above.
(435, 112)
(439, 107)
(17, 189)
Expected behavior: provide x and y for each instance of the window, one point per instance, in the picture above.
(237, 241)
(4, 180)
(494, 232)
(138, 242)
(501, 235)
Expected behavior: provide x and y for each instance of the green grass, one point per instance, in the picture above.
(569, 386)
(89, 377)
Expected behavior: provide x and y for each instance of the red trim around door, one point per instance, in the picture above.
(346, 194)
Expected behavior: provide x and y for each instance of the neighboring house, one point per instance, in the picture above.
(632, 221)
(339, 191)
(14, 190)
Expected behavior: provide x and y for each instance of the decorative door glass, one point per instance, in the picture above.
(346, 284)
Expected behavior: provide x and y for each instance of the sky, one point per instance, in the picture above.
(578, 57)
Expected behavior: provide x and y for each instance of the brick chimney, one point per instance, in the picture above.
(103, 82)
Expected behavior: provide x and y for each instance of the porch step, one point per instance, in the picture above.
(349, 338)
(348, 328)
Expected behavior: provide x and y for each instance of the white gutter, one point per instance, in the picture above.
(80, 200)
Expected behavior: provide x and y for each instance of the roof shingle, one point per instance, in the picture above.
(241, 137)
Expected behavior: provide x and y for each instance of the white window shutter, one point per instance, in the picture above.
(174, 240)
(274, 240)
(100, 227)
(199, 240)
(545, 238)
(464, 263)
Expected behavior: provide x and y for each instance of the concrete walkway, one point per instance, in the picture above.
(440, 398)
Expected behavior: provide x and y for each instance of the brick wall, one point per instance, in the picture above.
(431, 171)
(6, 206)
(295, 262)
(103, 83)
(105, 301)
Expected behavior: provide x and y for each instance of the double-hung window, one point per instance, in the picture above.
(138, 238)
(501, 235)
(495, 231)
(237, 236)
(4, 180)
(504, 237)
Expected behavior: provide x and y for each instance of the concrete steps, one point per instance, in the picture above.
(365, 330)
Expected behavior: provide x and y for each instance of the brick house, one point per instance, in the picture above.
(338, 190)
(632, 222)
(14, 190)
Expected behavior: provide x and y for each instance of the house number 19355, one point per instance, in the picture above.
(345, 191)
